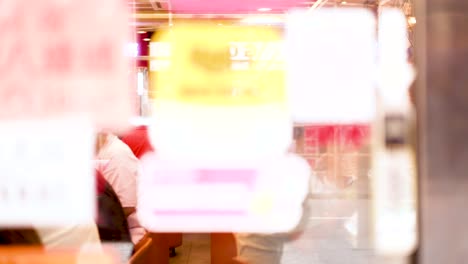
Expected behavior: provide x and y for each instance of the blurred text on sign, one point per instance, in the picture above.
(248, 106)
(55, 62)
(46, 173)
(250, 196)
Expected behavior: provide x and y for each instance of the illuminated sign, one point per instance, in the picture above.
(202, 101)
(230, 196)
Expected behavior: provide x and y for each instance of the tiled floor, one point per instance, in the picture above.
(194, 250)
(334, 235)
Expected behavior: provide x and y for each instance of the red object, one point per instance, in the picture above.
(344, 136)
(138, 141)
(143, 49)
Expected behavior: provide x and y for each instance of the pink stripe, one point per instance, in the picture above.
(246, 177)
(199, 212)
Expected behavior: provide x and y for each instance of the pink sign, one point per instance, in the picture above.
(230, 196)
(64, 58)
(232, 7)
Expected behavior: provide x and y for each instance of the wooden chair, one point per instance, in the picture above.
(223, 248)
(174, 240)
(169, 240)
(160, 248)
(143, 251)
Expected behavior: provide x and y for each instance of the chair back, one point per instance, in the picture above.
(142, 253)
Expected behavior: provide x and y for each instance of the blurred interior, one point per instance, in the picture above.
(342, 211)
(339, 225)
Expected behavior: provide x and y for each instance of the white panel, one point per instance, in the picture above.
(46, 172)
(331, 65)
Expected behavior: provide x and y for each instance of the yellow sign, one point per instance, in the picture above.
(200, 69)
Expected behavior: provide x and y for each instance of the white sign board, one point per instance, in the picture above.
(394, 209)
(47, 177)
(60, 57)
(261, 196)
(331, 65)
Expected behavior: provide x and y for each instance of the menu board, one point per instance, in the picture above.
(53, 62)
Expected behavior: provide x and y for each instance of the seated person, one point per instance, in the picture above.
(138, 141)
(121, 172)
(268, 248)
(112, 222)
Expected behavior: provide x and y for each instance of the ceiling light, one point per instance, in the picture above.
(264, 9)
(344, 2)
(219, 24)
(146, 39)
(141, 32)
(412, 20)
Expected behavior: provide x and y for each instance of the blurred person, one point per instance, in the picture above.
(268, 248)
(111, 221)
(121, 172)
(260, 248)
(138, 141)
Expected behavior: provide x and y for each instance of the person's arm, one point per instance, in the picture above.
(121, 173)
(128, 211)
